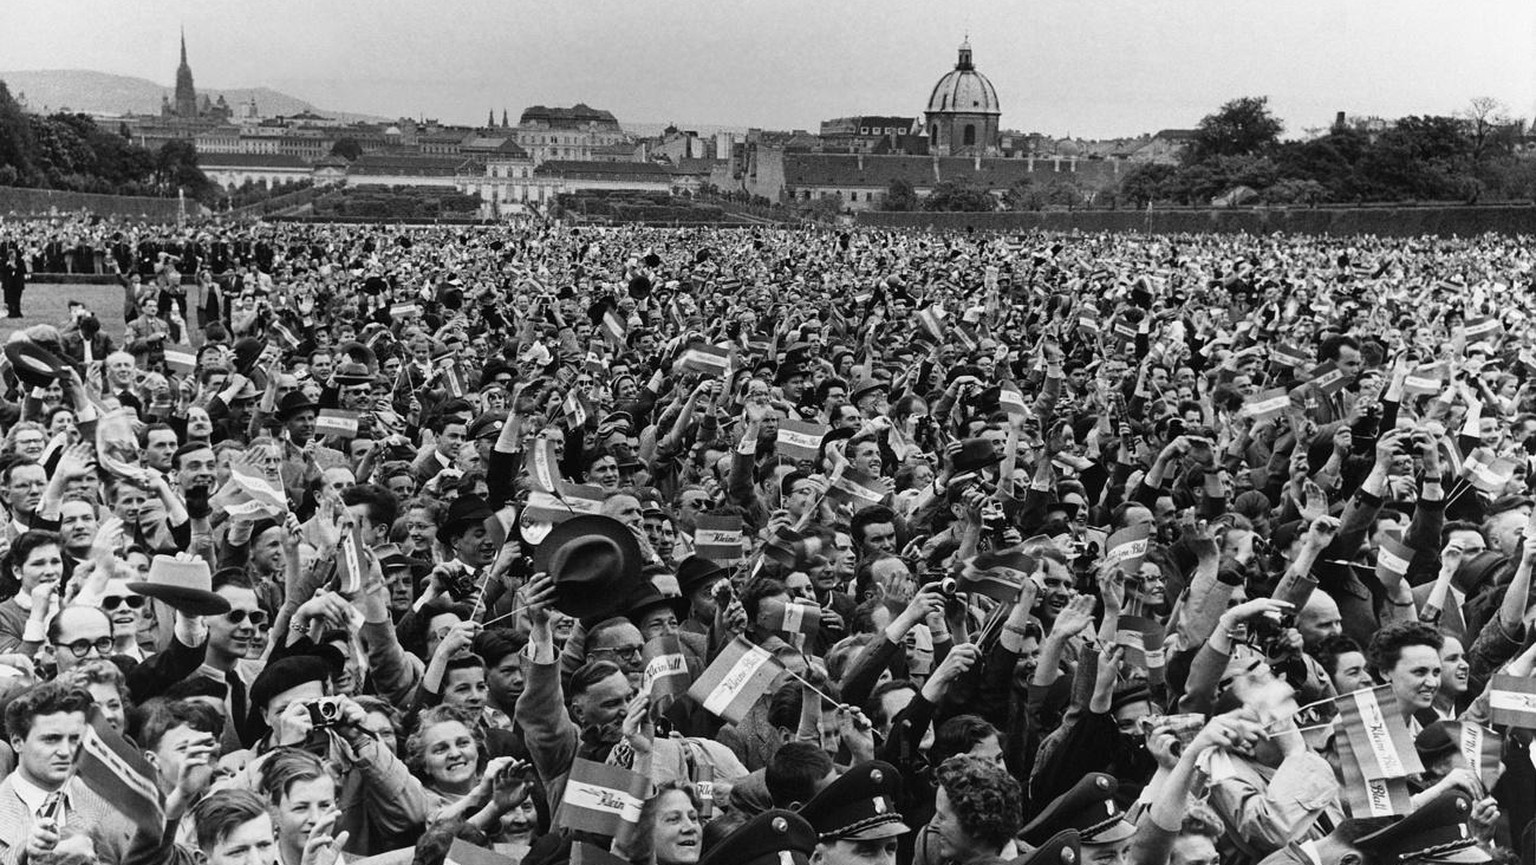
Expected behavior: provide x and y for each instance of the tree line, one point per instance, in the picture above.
(1236, 156)
(71, 152)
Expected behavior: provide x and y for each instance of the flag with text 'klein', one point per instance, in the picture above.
(740, 675)
(615, 325)
(932, 320)
(1365, 797)
(583, 853)
(799, 440)
(1088, 322)
(285, 336)
(996, 583)
(718, 538)
(1482, 749)
(351, 567)
(791, 618)
(575, 409)
(1328, 378)
(404, 310)
(1126, 548)
(1392, 560)
(1512, 700)
(1143, 640)
(117, 772)
(462, 852)
(1288, 356)
(600, 798)
(453, 377)
(705, 358)
(1372, 721)
(249, 493)
(1426, 379)
(336, 422)
(666, 674)
(567, 500)
(1124, 329)
(542, 466)
(1267, 404)
(180, 359)
(1482, 327)
(858, 488)
(1011, 400)
(1487, 471)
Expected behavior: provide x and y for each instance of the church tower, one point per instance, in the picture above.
(963, 111)
(186, 94)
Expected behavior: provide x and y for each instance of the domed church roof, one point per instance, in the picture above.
(963, 90)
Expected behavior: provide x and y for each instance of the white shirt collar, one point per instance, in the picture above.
(31, 795)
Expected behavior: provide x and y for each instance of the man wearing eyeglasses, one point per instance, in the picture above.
(79, 634)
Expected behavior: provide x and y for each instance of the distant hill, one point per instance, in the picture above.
(51, 90)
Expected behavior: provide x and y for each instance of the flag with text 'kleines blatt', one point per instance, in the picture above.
(180, 358)
(666, 675)
(1011, 400)
(1392, 560)
(1267, 404)
(1512, 700)
(615, 325)
(567, 501)
(600, 798)
(1289, 356)
(1143, 641)
(800, 440)
(1328, 378)
(718, 538)
(705, 358)
(792, 618)
(739, 677)
(858, 488)
(1126, 548)
(1487, 471)
(1376, 753)
(249, 493)
(1426, 379)
(118, 773)
(1480, 747)
(336, 422)
(351, 567)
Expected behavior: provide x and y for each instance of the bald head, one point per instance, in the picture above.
(1318, 620)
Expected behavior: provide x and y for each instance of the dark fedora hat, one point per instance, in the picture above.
(35, 366)
(594, 561)
(661, 590)
(464, 510)
(975, 454)
(293, 403)
(696, 572)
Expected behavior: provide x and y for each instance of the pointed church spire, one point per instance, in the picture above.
(504, 123)
(490, 119)
(183, 44)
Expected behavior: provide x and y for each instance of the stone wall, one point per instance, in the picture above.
(1390, 221)
(41, 202)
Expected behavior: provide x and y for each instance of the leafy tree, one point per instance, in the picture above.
(900, 196)
(176, 168)
(959, 196)
(1240, 127)
(347, 148)
(1148, 183)
(1020, 195)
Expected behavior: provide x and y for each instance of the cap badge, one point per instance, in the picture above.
(780, 825)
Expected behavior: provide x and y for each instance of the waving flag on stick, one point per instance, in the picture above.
(739, 677)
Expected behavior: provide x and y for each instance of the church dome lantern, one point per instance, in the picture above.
(963, 110)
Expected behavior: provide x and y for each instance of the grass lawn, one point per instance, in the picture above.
(43, 303)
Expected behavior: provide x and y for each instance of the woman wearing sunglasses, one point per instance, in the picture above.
(127, 610)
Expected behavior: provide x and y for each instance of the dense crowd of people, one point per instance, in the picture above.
(545, 544)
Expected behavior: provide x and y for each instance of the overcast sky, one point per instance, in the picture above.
(1090, 68)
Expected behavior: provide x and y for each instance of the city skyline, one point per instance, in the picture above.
(1098, 70)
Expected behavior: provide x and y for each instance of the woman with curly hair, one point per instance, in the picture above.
(669, 831)
(446, 755)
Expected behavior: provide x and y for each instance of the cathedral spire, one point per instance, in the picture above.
(184, 45)
(186, 93)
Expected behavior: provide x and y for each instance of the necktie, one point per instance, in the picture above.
(237, 700)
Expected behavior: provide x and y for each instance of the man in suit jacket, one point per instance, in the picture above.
(43, 802)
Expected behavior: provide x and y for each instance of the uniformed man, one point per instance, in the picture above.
(1436, 834)
(1089, 807)
(855, 817)
(774, 837)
